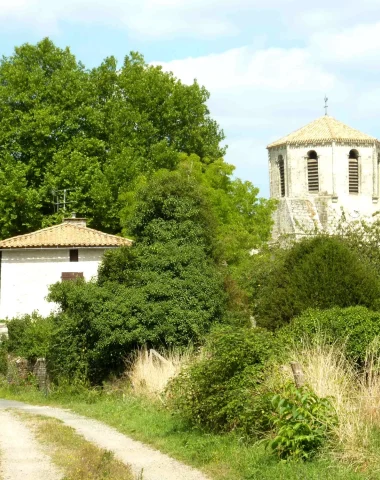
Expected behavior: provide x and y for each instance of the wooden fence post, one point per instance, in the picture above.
(297, 374)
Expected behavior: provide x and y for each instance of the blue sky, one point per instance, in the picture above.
(267, 64)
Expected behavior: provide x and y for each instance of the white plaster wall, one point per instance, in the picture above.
(27, 273)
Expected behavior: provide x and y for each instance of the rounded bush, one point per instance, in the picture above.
(321, 272)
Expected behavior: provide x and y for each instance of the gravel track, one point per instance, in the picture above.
(153, 464)
(21, 456)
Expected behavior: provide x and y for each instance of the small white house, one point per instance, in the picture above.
(30, 263)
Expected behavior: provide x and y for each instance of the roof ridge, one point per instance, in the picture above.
(329, 126)
(65, 235)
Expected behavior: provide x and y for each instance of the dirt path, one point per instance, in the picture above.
(153, 464)
(21, 456)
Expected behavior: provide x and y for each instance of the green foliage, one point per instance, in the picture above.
(106, 134)
(94, 132)
(222, 390)
(243, 220)
(356, 327)
(3, 355)
(164, 291)
(29, 336)
(364, 238)
(321, 272)
(302, 423)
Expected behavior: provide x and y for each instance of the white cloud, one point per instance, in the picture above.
(196, 18)
(148, 18)
(360, 44)
(270, 69)
(258, 96)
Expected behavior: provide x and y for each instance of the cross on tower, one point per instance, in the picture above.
(326, 99)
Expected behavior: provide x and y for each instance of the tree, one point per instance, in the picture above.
(93, 132)
(321, 272)
(164, 291)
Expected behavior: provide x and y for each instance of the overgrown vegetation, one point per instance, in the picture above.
(142, 157)
(321, 272)
(356, 327)
(164, 291)
(301, 421)
(29, 336)
(223, 389)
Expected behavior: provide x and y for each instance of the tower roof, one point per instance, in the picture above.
(325, 129)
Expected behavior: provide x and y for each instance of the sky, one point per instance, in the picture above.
(267, 64)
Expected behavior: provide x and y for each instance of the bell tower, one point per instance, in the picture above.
(320, 171)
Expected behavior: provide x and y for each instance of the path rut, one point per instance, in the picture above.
(153, 464)
(21, 456)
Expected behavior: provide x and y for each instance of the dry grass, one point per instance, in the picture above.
(150, 375)
(77, 458)
(355, 396)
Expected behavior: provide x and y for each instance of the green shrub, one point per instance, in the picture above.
(29, 336)
(222, 390)
(3, 355)
(301, 421)
(322, 273)
(356, 327)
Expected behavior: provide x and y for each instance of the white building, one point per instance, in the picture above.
(30, 263)
(321, 172)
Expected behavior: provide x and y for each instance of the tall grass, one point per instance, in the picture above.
(149, 374)
(354, 393)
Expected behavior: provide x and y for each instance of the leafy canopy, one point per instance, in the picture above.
(102, 134)
(90, 131)
(163, 291)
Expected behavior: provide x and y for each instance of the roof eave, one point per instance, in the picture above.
(325, 142)
(60, 247)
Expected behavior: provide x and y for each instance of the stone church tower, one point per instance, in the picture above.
(321, 172)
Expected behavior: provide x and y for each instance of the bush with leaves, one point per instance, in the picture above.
(354, 327)
(223, 389)
(29, 336)
(322, 272)
(3, 355)
(301, 421)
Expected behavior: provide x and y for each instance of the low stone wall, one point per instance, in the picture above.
(21, 371)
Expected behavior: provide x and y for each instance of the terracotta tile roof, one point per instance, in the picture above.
(325, 129)
(65, 235)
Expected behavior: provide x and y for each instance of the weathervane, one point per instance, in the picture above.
(326, 99)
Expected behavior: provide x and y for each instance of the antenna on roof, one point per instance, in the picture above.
(326, 100)
(60, 200)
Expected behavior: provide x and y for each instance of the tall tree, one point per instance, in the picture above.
(164, 291)
(92, 132)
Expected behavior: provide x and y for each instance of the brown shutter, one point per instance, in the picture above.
(67, 276)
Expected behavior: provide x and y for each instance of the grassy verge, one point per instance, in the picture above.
(77, 458)
(222, 457)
